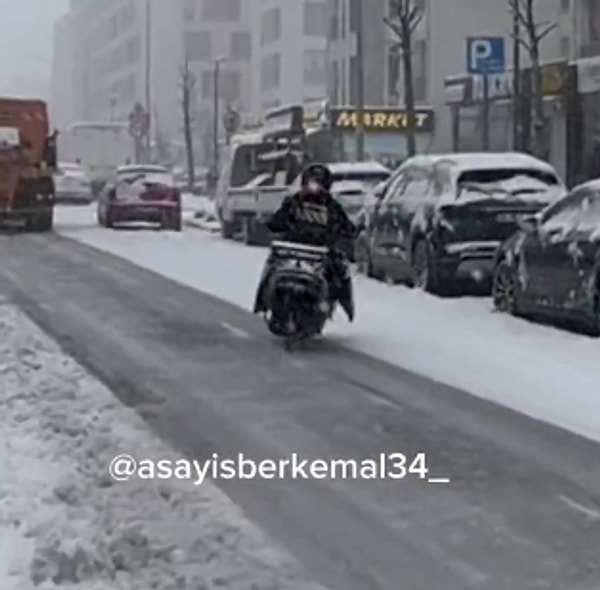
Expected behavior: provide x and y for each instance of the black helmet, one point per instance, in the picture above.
(318, 173)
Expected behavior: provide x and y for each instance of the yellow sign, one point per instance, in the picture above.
(382, 120)
(554, 79)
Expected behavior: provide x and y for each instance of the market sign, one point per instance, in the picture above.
(383, 119)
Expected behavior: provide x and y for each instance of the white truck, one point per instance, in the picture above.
(99, 146)
(249, 191)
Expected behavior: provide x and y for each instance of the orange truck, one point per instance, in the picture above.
(27, 165)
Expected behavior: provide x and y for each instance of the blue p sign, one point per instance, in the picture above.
(485, 55)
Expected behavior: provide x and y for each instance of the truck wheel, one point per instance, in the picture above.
(227, 230)
(45, 221)
(108, 222)
(39, 222)
(172, 222)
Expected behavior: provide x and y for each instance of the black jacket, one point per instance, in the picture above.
(318, 220)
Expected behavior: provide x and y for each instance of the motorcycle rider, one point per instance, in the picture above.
(312, 216)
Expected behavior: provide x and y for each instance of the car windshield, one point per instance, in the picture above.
(520, 183)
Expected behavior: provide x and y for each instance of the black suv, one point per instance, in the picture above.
(441, 219)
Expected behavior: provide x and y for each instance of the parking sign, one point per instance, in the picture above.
(486, 55)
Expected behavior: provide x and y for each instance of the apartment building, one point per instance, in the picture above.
(439, 50)
(581, 27)
(61, 95)
(289, 59)
(127, 51)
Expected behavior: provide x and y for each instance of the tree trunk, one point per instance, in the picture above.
(409, 89)
(187, 131)
(538, 123)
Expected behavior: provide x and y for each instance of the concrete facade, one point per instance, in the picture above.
(439, 45)
(289, 60)
(107, 59)
(61, 92)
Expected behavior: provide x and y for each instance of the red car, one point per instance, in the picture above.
(141, 194)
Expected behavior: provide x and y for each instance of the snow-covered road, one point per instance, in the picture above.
(541, 371)
(65, 524)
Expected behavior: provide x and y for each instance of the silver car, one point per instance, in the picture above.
(72, 185)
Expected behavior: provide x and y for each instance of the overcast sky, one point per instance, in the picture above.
(26, 42)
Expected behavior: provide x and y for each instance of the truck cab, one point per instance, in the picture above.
(27, 163)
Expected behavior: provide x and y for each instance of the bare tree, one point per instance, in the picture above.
(533, 33)
(188, 82)
(404, 18)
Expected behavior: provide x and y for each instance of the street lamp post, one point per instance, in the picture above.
(148, 68)
(216, 90)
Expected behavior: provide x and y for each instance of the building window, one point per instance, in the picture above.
(565, 47)
(420, 71)
(128, 88)
(230, 85)
(393, 77)
(270, 71)
(314, 67)
(208, 78)
(189, 10)
(270, 26)
(565, 5)
(315, 19)
(354, 14)
(241, 46)
(334, 19)
(198, 45)
(419, 6)
(221, 10)
(593, 19)
(334, 82)
(343, 11)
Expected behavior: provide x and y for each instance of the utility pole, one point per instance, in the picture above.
(216, 98)
(148, 68)
(360, 83)
(516, 130)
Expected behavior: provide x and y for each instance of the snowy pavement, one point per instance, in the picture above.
(522, 507)
(541, 371)
(65, 524)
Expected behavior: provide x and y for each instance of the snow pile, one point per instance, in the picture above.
(63, 521)
(199, 211)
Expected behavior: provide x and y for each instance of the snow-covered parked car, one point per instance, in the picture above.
(141, 194)
(442, 217)
(72, 185)
(551, 267)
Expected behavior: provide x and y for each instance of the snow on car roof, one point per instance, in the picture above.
(593, 185)
(348, 186)
(251, 138)
(484, 161)
(142, 168)
(357, 167)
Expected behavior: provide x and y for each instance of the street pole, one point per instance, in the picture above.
(360, 82)
(486, 113)
(148, 71)
(216, 113)
(516, 130)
